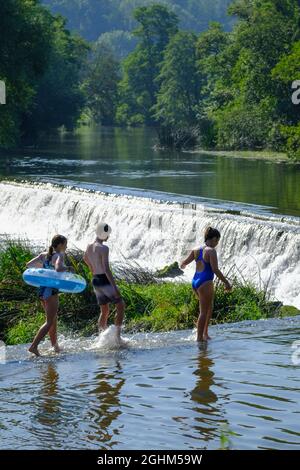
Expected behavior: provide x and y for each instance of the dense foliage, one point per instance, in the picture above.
(234, 88)
(92, 18)
(214, 86)
(40, 63)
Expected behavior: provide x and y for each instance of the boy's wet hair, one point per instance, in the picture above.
(211, 233)
(56, 241)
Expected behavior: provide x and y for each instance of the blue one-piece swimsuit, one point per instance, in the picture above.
(45, 292)
(202, 276)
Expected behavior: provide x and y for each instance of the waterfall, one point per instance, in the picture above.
(154, 232)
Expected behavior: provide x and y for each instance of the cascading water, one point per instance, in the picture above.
(154, 233)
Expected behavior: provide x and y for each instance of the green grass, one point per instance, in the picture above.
(151, 303)
(25, 328)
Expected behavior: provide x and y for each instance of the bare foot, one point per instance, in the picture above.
(123, 343)
(56, 348)
(34, 350)
(206, 337)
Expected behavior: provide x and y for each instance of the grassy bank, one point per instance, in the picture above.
(251, 154)
(151, 303)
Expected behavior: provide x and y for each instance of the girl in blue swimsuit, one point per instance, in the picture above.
(206, 267)
(53, 259)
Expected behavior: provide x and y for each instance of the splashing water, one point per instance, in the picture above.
(110, 340)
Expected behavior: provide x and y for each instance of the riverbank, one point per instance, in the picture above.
(152, 304)
(250, 154)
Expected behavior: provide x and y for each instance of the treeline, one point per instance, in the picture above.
(215, 89)
(92, 18)
(41, 64)
(229, 90)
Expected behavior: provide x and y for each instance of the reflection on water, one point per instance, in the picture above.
(107, 407)
(208, 412)
(162, 392)
(125, 157)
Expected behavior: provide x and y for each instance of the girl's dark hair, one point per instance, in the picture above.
(211, 233)
(56, 240)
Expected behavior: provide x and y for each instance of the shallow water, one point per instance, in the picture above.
(162, 391)
(104, 157)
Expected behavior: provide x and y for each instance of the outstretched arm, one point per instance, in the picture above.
(187, 260)
(213, 259)
(36, 262)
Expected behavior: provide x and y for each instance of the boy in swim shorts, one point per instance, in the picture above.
(105, 288)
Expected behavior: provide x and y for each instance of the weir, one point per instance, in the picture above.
(154, 233)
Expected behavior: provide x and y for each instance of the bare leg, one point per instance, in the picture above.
(120, 306)
(103, 318)
(205, 294)
(209, 314)
(53, 336)
(51, 308)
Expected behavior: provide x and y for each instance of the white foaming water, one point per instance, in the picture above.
(154, 233)
(109, 339)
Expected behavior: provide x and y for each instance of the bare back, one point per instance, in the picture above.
(206, 257)
(96, 255)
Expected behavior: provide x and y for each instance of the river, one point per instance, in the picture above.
(162, 391)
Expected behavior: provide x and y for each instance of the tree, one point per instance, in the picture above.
(179, 84)
(101, 86)
(285, 72)
(264, 33)
(121, 43)
(139, 87)
(59, 99)
(25, 37)
(41, 63)
(92, 18)
(215, 58)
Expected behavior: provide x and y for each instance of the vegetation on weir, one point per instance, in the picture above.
(151, 303)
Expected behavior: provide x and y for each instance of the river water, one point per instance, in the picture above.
(125, 157)
(162, 391)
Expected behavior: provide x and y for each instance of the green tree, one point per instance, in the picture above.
(40, 62)
(178, 95)
(58, 100)
(215, 58)
(92, 18)
(264, 33)
(25, 47)
(139, 86)
(101, 86)
(286, 71)
(121, 43)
